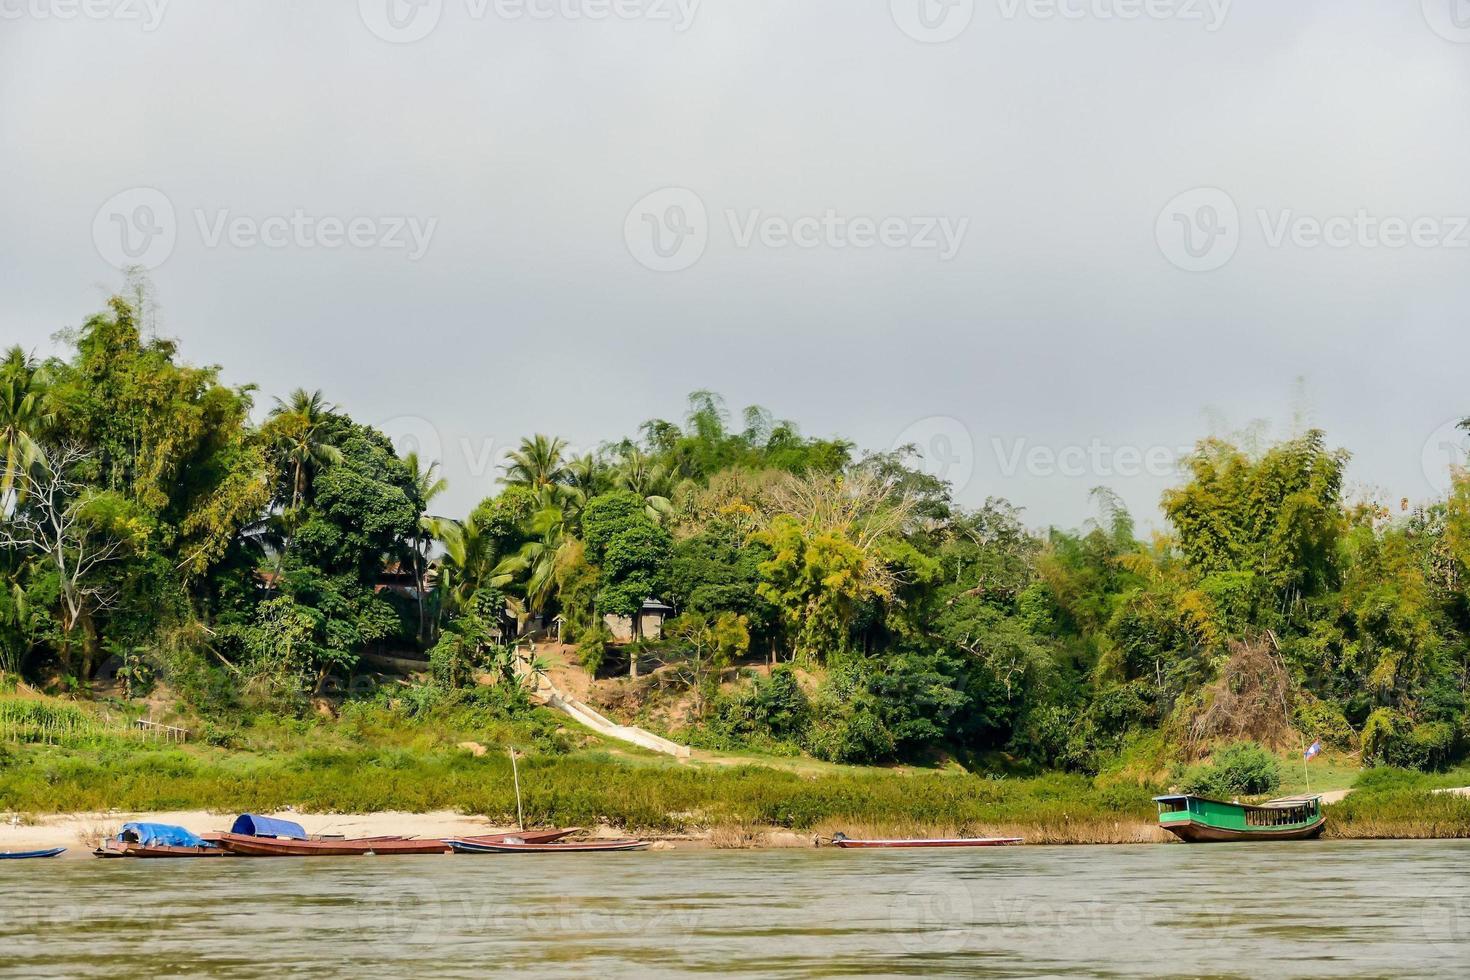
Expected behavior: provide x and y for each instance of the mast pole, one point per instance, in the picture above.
(516, 775)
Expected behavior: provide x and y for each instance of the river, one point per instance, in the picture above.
(1298, 909)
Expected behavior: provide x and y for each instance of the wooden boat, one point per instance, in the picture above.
(28, 855)
(843, 841)
(248, 846)
(527, 836)
(519, 845)
(126, 849)
(1199, 820)
(156, 840)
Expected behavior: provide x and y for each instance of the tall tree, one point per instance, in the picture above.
(540, 461)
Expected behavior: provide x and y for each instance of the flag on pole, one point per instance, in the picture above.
(1313, 752)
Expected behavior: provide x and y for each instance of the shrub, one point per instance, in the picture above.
(857, 735)
(592, 649)
(1243, 769)
(1391, 739)
(1318, 719)
(780, 706)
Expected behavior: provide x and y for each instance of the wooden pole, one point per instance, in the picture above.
(516, 775)
(1306, 773)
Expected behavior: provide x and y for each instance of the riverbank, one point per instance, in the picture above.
(80, 832)
(447, 772)
(1399, 815)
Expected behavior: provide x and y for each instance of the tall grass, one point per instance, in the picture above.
(51, 723)
(1399, 803)
(582, 788)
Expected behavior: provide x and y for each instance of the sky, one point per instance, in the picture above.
(1050, 242)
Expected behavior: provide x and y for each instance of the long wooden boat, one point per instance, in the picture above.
(842, 840)
(128, 849)
(516, 845)
(278, 847)
(1199, 820)
(140, 839)
(29, 855)
(526, 836)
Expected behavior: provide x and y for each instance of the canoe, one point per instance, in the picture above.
(277, 847)
(515, 845)
(527, 836)
(1199, 820)
(127, 849)
(26, 855)
(842, 840)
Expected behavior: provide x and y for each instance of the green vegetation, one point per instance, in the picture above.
(1244, 769)
(162, 539)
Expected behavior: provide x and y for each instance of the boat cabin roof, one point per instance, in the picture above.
(1288, 801)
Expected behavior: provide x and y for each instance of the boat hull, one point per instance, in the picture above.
(1195, 832)
(528, 836)
(277, 847)
(466, 846)
(123, 849)
(955, 842)
(30, 855)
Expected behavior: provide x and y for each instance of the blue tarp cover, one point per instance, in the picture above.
(161, 834)
(252, 826)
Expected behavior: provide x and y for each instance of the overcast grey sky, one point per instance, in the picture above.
(1053, 239)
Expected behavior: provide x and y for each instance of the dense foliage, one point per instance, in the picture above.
(154, 524)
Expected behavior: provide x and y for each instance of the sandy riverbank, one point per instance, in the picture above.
(80, 832)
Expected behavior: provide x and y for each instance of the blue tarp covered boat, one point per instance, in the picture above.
(250, 825)
(22, 855)
(156, 840)
(159, 835)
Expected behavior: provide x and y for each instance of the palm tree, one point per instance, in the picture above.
(539, 462)
(468, 565)
(590, 474)
(296, 429)
(540, 558)
(22, 416)
(427, 485)
(650, 479)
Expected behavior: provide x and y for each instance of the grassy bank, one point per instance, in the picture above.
(402, 757)
(582, 787)
(1396, 803)
(451, 757)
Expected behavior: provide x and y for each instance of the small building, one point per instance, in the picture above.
(650, 621)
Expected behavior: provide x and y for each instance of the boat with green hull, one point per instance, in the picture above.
(1199, 820)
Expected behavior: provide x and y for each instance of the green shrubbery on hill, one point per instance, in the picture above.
(155, 534)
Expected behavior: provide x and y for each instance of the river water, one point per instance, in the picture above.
(1254, 910)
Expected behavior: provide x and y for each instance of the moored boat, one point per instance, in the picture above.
(842, 840)
(49, 852)
(527, 836)
(513, 844)
(1199, 820)
(328, 847)
(156, 840)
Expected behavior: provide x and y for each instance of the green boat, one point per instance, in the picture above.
(1199, 820)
